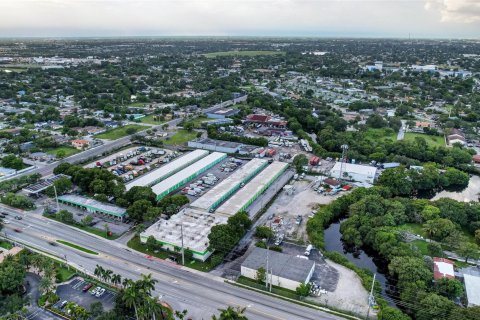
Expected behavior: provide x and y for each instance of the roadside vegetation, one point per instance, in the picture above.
(121, 132)
(76, 246)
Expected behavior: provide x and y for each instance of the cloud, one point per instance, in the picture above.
(463, 11)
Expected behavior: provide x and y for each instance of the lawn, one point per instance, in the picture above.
(197, 122)
(136, 245)
(149, 120)
(181, 137)
(6, 245)
(242, 53)
(64, 274)
(120, 132)
(98, 232)
(380, 134)
(422, 247)
(433, 141)
(277, 290)
(413, 228)
(69, 151)
(75, 246)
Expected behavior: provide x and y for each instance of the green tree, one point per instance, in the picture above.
(11, 161)
(151, 243)
(303, 290)
(468, 250)
(87, 220)
(96, 309)
(65, 216)
(389, 313)
(261, 275)
(299, 162)
(231, 314)
(12, 274)
(450, 288)
(430, 212)
(263, 232)
(439, 229)
(138, 209)
(434, 307)
(61, 154)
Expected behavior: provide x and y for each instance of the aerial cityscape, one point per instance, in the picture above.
(167, 170)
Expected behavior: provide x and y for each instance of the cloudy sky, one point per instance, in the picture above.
(332, 18)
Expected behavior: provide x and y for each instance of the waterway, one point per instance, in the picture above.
(361, 258)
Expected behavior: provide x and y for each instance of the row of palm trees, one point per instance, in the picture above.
(108, 276)
(76, 311)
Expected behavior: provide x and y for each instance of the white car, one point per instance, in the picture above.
(100, 293)
(94, 291)
(6, 221)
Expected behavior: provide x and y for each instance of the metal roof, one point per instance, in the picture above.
(231, 182)
(284, 265)
(167, 169)
(93, 204)
(192, 169)
(472, 287)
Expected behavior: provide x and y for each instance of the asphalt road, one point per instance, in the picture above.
(201, 294)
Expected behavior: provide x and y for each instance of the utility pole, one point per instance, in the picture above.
(183, 249)
(271, 278)
(370, 297)
(56, 197)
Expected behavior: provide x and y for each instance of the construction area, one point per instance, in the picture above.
(247, 182)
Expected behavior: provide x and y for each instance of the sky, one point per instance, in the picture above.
(312, 18)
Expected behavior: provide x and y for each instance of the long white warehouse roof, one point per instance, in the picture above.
(472, 287)
(250, 190)
(225, 187)
(167, 169)
(354, 168)
(171, 181)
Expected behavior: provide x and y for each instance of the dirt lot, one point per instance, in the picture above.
(301, 202)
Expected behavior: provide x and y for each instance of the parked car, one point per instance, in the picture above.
(87, 287)
(94, 291)
(63, 304)
(100, 293)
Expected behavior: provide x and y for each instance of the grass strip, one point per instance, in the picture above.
(77, 247)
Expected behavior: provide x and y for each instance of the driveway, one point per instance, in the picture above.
(35, 312)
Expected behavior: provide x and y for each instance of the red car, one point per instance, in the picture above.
(17, 230)
(87, 287)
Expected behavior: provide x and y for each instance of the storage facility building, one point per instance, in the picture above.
(195, 225)
(167, 170)
(287, 270)
(250, 192)
(354, 172)
(93, 206)
(186, 175)
(222, 191)
(215, 145)
(472, 288)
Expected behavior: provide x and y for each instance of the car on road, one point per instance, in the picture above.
(6, 221)
(100, 293)
(87, 287)
(18, 218)
(4, 214)
(17, 230)
(94, 291)
(54, 244)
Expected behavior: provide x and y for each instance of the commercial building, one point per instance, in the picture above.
(443, 268)
(80, 144)
(215, 145)
(472, 289)
(186, 175)
(167, 170)
(354, 172)
(189, 226)
(222, 191)
(93, 206)
(222, 113)
(252, 190)
(43, 184)
(287, 271)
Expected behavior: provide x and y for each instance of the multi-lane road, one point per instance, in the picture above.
(201, 294)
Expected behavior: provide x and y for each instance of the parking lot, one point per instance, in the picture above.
(73, 291)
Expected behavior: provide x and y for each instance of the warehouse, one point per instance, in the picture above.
(215, 145)
(167, 170)
(252, 190)
(287, 271)
(222, 113)
(222, 191)
(93, 206)
(354, 172)
(190, 225)
(186, 175)
(472, 289)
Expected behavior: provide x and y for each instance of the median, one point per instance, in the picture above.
(77, 247)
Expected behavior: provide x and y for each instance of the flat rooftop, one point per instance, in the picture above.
(284, 265)
(252, 189)
(232, 182)
(192, 169)
(167, 170)
(93, 204)
(355, 168)
(196, 228)
(217, 143)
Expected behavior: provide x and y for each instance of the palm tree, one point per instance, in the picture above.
(45, 284)
(98, 271)
(116, 279)
(107, 275)
(37, 262)
(126, 282)
(71, 306)
(131, 298)
(81, 313)
(153, 308)
(147, 283)
(231, 314)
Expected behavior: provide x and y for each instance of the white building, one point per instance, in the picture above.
(354, 172)
(472, 288)
(287, 271)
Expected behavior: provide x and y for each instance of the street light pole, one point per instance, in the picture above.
(183, 249)
(56, 197)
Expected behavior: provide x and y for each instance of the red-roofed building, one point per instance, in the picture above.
(476, 158)
(258, 118)
(443, 268)
(266, 120)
